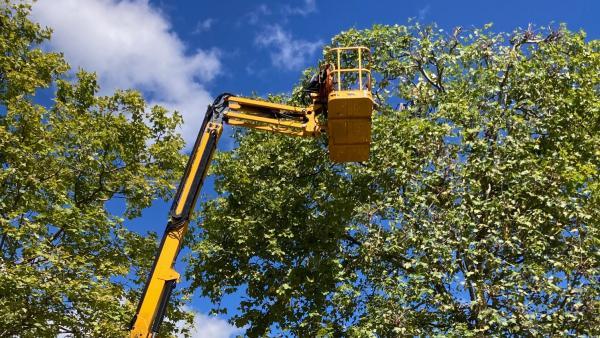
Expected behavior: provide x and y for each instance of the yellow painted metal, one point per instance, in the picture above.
(349, 112)
(163, 269)
(211, 128)
(361, 51)
(257, 114)
(274, 122)
(351, 48)
(338, 68)
(245, 102)
(349, 125)
(352, 70)
(162, 273)
(359, 68)
(266, 128)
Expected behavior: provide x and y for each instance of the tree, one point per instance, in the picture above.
(67, 264)
(477, 213)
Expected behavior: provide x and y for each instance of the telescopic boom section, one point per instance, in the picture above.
(273, 117)
(236, 111)
(163, 277)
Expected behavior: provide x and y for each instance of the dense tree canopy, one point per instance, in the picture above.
(67, 264)
(477, 213)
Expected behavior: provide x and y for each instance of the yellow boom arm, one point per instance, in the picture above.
(348, 112)
(233, 110)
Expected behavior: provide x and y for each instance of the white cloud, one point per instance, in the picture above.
(130, 44)
(288, 53)
(423, 12)
(204, 25)
(254, 16)
(307, 7)
(206, 326)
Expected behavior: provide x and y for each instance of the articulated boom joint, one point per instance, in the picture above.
(273, 117)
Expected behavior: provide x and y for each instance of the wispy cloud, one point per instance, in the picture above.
(307, 7)
(423, 12)
(288, 53)
(262, 11)
(130, 44)
(204, 25)
(253, 17)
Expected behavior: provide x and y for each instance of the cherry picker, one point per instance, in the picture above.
(341, 107)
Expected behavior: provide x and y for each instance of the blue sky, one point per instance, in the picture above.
(183, 53)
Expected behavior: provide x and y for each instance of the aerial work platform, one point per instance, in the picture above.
(350, 106)
(341, 98)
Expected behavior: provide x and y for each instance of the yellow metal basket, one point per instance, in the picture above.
(350, 106)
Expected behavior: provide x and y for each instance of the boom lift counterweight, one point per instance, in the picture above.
(348, 114)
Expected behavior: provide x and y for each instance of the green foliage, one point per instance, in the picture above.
(67, 265)
(477, 214)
